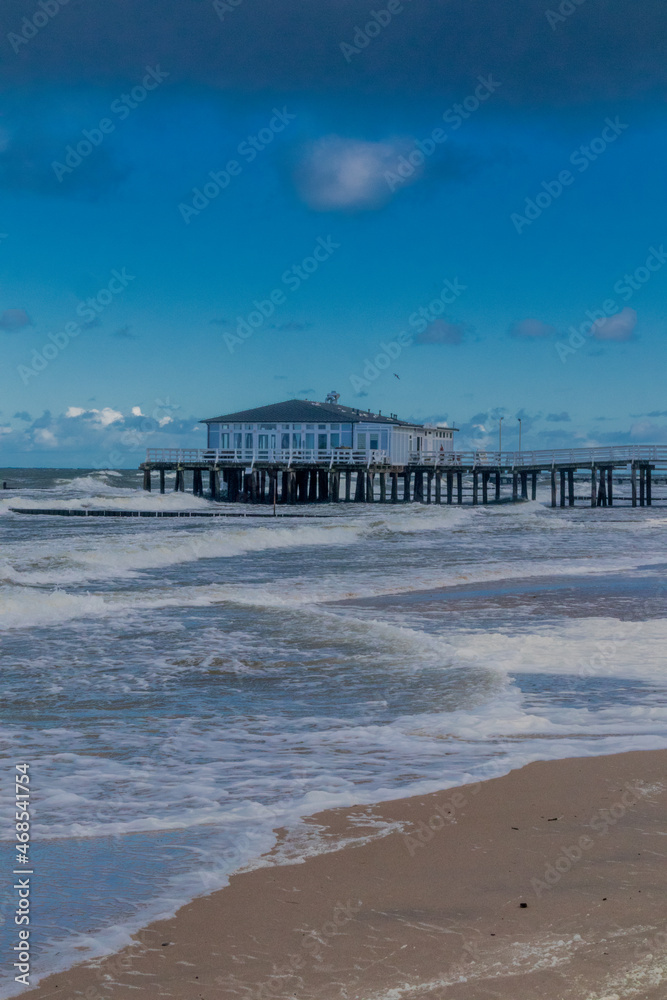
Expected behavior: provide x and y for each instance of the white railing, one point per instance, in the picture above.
(618, 454)
(278, 456)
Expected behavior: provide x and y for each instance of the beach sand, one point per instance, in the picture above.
(549, 882)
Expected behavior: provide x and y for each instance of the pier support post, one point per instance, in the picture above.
(648, 486)
(394, 487)
(360, 487)
(602, 490)
(610, 486)
(383, 487)
(570, 487)
(147, 480)
(162, 484)
(214, 483)
(475, 488)
(485, 486)
(450, 487)
(262, 486)
(553, 486)
(407, 476)
(292, 486)
(642, 485)
(533, 490)
(334, 486)
(562, 487)
(438, 487)
(459, 487)
(312, 485)
(594, 486)
(348, 485)
(633, 482)
(179, 482)
(323, 484)
(285, 489)
(498, 485)
(370, 487)
(524, 485)
(273, 486)
(429, 486)
(302, 485)
(515, 486)
(419, 486)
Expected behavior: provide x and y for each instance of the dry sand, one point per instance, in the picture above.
(548, 883)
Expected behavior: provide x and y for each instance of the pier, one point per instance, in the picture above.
(287, 476)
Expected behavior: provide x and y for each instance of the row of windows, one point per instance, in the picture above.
(285, 440)
(274, 427)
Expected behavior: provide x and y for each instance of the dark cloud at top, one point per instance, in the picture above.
(606, 49)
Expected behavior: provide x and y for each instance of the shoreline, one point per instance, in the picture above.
(430, 899)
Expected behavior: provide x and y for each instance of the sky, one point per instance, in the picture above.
(453, 211)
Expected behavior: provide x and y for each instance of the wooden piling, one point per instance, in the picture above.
(497, 477)
(302, 485)
(562, 487)
(553, 486)
(633, 481)
(179, 481)
(370, 487)
(642, 485)
(383, 487)
(570, 487)
(485, 486)
(312, 485)
(323, 484)
(419, 486)
(273, 486)
(214, 484)
(459, 487)
(360, 487)
(348, 485)
(594, 486)
(406, 486)
(524, 485)
(334, 486)
(450, 487)
(475, 488)
(162, 483)
(610, 486)
(533, 489)
(394, 487)
(648, 486)
(602, 489)
(515, 486)
(292, 486)
(438, 487)
(147, 480)
(429, 486)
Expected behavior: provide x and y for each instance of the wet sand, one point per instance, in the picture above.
(549, 882)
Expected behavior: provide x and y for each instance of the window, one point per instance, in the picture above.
(335, 427)
(267, 427)
(296, 427)
(213, 435)
(310, 439)
(224, 440)
(262, 440)
(296, 440)
(335, 440)
(310, 427)
(322, 442)
(321, 427)
(238, 441)
(284, 441)
(384, 440)
(248, 441)
(347, 438)
(374, 441)
(361, 442)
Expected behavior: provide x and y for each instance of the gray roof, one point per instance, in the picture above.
(294, 411)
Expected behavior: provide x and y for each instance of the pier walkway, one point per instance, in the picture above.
(344, 475)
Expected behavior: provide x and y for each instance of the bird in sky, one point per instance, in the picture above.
(397, 376)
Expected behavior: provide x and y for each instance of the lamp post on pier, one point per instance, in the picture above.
(519, 419)
(500, 439)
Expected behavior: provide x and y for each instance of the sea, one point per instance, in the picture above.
(183, 688)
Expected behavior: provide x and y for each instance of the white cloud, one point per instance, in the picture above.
(74, 411)
(136, 410)
(340, 173)
(103, 417)
(618, 327)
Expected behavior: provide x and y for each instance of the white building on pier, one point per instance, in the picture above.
(303, 430)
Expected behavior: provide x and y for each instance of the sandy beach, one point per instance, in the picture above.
(548, 882)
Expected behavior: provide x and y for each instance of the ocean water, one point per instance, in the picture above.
(181, 688)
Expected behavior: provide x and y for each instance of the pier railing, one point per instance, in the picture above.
(278, 456)
(544, 459)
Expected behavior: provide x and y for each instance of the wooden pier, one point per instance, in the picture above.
(280, 477)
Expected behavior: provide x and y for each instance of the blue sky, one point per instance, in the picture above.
(357, 195)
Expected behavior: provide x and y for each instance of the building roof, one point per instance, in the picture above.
(306, 411)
